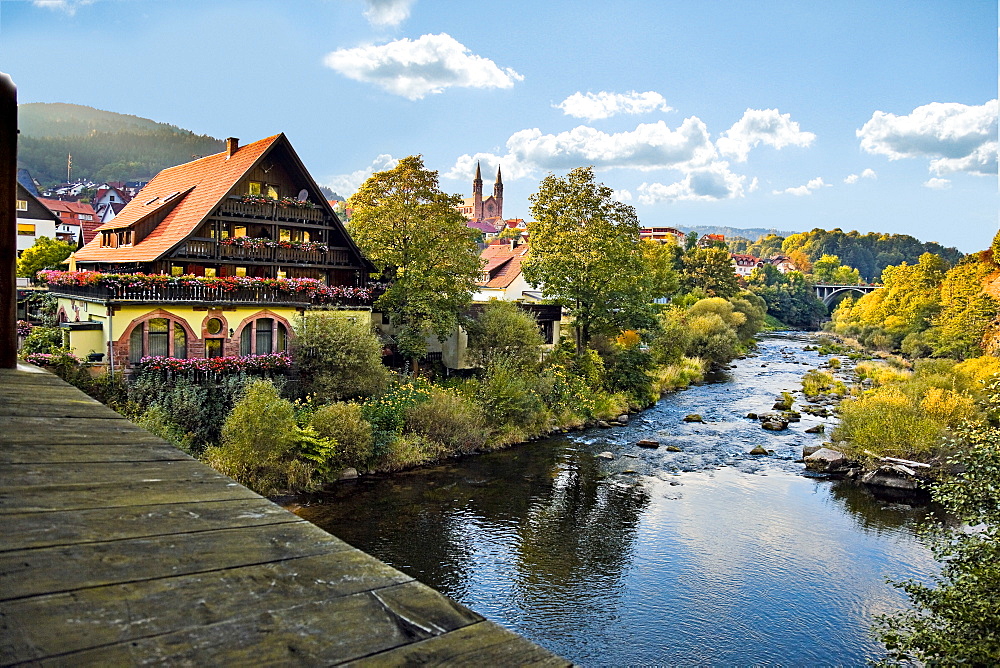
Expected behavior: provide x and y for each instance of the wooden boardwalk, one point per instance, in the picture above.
(118, 549)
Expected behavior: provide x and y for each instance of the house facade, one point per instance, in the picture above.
(76, 216)
(662, 234)
(744, 264)
(34, 220)
(213, 258)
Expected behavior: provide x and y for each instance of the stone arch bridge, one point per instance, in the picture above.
(830, 294)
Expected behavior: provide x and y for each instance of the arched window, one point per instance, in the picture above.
(157, 337)
(263, 336)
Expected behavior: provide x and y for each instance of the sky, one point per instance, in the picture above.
(869, 116)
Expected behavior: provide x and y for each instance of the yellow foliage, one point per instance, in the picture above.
(947, 407)
(629, 338)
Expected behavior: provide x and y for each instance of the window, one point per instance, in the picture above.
(239, 231)
(86, 216)
(284, 234)
(176, 270)
(22, 205)
(210, 272)
(272, 191)
(157, 337)
(26, 229)
(254, 188)
(263, 336)
(241, 271)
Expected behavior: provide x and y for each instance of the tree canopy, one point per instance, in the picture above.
(416, 237)
(45, 254)
(585, 253)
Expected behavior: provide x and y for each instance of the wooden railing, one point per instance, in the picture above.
(209, 249)
(270, 211)
(181, 293)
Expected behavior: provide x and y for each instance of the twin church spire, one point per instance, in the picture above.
(492, 207)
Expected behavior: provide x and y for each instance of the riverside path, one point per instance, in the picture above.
(118, 549)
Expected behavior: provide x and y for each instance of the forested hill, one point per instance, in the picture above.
(105, 146)
(749, 233)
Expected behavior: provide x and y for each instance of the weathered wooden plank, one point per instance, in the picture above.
(127, 493)
(145, 450)
(57, 406)
(104, 473)
(70, 622)
(65, 568)
(317, 633)
(68, 527)
(482, 644)
(72, 431)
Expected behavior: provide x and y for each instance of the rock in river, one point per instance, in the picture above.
(648, 443)
(774, 425)
(818, 429)
(826, 460)
(693, 417)
(759, 450)
(605, 455)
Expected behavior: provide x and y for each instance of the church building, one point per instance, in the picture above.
(485, 215)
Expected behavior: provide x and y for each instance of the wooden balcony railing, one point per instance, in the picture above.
(209, 249)
(196, 294)
(270, 211)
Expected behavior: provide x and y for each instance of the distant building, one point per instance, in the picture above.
(783, 263)
(76, 215)
(485, 215)
(34, 220)
(662, 234)
(708, 240)
(744, 264)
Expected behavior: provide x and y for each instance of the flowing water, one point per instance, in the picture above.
(704, 556)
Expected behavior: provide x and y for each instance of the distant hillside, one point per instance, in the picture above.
(751, 233)
(105, 146)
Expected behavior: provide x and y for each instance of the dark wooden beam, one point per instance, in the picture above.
(8, 222)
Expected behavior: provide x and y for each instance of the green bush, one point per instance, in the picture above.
(449, 420)
(505, 334)
(816, 382)
(345, 423)
(338, 356)
(510, 398)
(259, 439)
(45, 340)
(628, 371)
(886, 422)
(387, 413)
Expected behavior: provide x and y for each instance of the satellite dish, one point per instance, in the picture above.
(303, 195)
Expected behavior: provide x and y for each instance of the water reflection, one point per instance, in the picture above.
(749, 563)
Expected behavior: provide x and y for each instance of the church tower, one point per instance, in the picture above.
(498, 193)
(477, 194)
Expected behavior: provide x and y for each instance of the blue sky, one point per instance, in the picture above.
(875, 116)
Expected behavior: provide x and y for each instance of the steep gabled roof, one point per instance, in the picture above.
(196, 188)
(502, 264)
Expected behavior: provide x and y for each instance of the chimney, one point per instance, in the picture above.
(232, 145)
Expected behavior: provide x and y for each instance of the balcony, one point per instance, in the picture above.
(190, 294)
(270, 211)
(210, 250)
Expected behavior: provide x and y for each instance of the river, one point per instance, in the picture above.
(704, 556)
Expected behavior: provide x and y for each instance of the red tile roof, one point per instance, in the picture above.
(202, 185)
(502, 264)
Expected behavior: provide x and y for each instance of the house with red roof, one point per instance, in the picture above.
(75, 218)
(744, 264)
(220, 254)
(662, 234)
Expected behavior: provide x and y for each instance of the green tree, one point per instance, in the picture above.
(45, 254)
(710, 270)
(966, 311)
(663, 260)
(413, 233)
(338, 356)
(504, 334)
(585, 254)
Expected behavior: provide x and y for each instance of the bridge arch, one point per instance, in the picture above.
(832, 294)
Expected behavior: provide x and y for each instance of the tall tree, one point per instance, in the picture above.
(585, 253)
(711, 270)
(416, 237)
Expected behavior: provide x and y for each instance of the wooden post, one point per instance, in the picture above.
(8, 222)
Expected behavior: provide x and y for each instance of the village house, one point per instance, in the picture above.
(709, 240)
(744, 264)
(34, 220)
(783, 263)
(109, 200)
(224, 253)
(77, 217)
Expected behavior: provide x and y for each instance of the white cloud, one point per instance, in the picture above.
(649, 146)
(957, 137)
(799, 191)
(711, 183)
(937, 184)
(68, 6)
(465, 167)
(761, 126)
(417, 68)
(622, 195)
(867, 174)
(348, 184)
(593, 106)
(387, 12)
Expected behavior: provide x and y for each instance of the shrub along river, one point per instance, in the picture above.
(708, 555)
